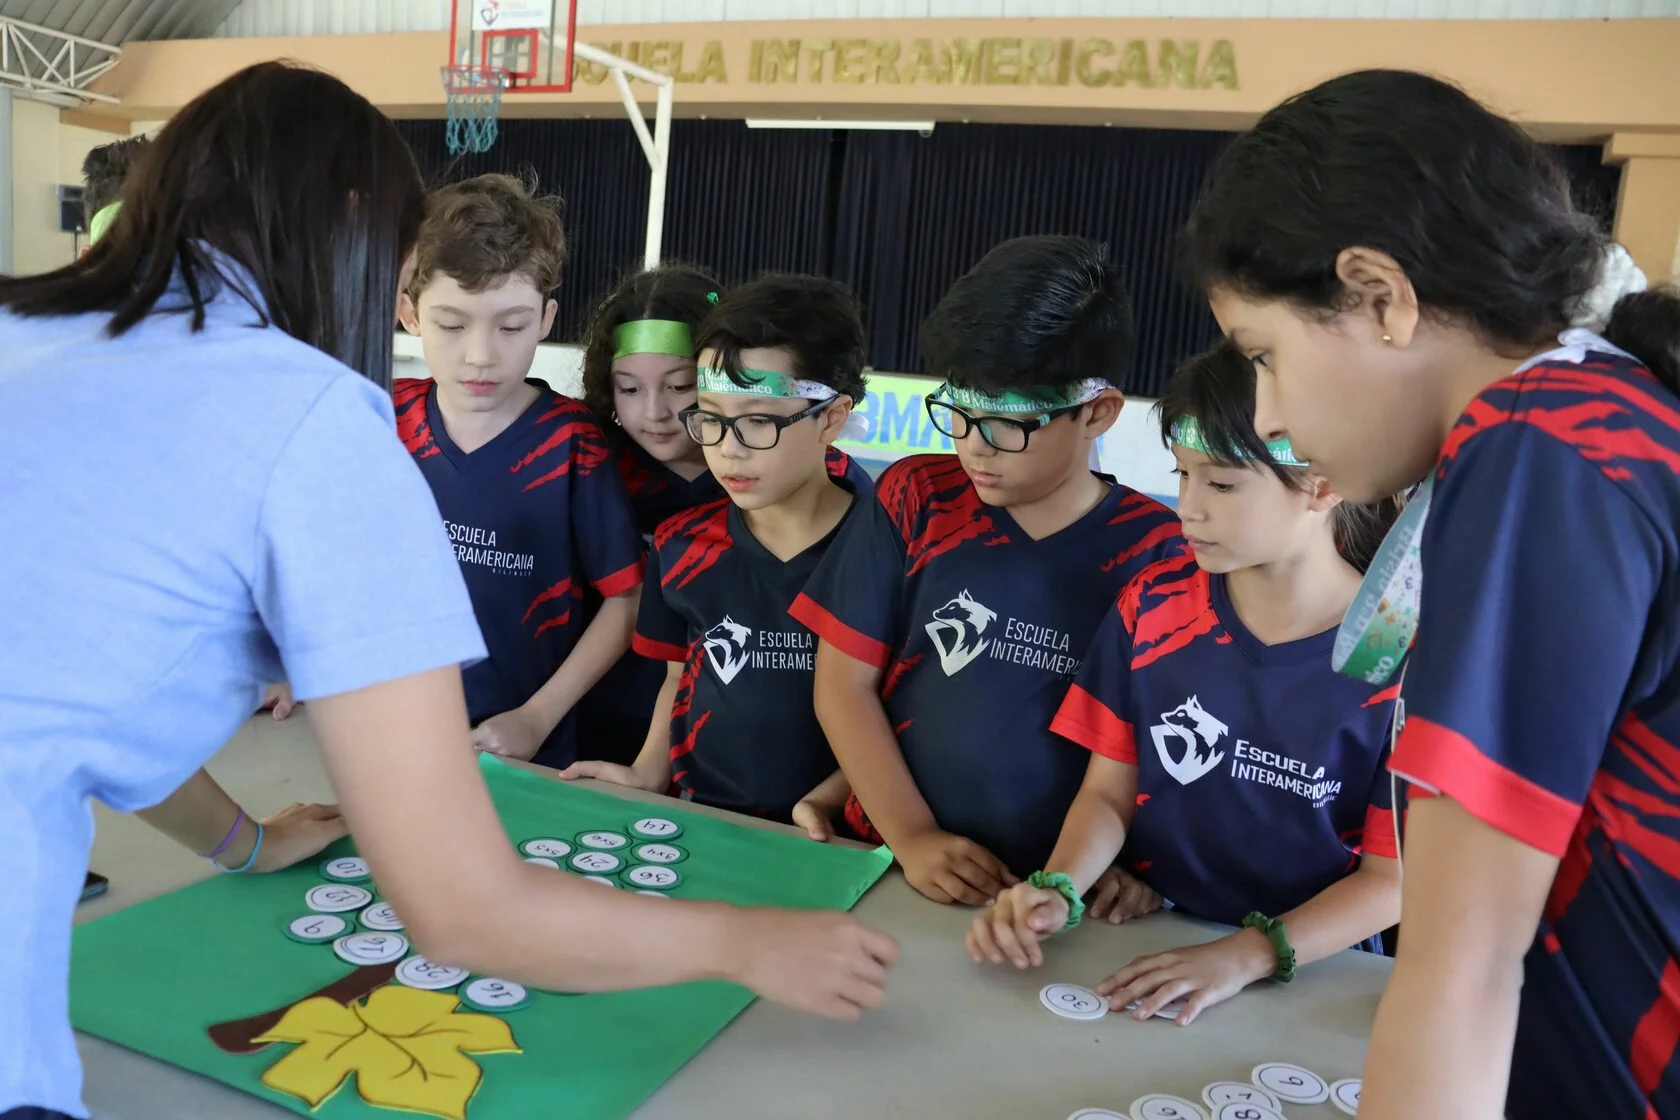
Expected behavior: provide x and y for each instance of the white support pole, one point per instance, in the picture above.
(657, 147)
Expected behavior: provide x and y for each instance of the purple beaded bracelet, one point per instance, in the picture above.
(228, 839)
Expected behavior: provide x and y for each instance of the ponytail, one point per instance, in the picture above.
(1647, 325)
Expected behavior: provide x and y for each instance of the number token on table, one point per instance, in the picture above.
(1163, 1106)
(489, 994)
(349, 869)
(1345, 1094)
(429, 976)
(659, 853)
(382, 918)
(601, 879)
(542, 861)
(546, 847)
(597, 863)
(657, 828)
(371, 948)
(1290, 1083)
(1097, 1114)
(651, 877)
(604, 841)
(1070, 1001)
(1222, 1093)
(1247, 1110)
(317, 929)
(336, 898)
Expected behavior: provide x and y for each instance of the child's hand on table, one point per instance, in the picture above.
(513, 734)
(297, 832)
(1202, 975)
(949, 868)
(1009, 931)
(277, 698)
(617, 774)
(821, 962)
(1118, 897)
(817, 820)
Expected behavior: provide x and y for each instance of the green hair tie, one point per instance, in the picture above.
(653, 336)
(1062, 883)
(101, 221)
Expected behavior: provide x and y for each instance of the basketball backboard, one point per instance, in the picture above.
(529, 39)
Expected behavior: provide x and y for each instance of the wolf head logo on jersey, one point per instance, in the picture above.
(957, 630)
(1196, 731)
(726, 646)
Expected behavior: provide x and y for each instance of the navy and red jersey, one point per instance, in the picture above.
(744, 735)
(1543, 695)
(539, 520)
(1261, 771)
(658, 493)
(978, 629)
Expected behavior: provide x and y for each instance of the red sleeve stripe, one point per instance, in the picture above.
(1089, 722)
(1378, 838)
(657, 651)
(1440, 758)
(620, 581)
(837, 634)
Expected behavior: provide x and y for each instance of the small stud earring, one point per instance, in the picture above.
(1388, 339)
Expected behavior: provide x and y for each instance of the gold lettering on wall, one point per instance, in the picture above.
(1178, 64)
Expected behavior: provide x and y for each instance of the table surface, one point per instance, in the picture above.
(954, 1039)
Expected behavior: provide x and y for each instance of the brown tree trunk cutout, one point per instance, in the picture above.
(239, 1036)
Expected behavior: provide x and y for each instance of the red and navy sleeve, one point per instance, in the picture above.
(609, 542)
(661, 633)
(1540, 571)
(1379, 837)
(851, 601)
(843, 466)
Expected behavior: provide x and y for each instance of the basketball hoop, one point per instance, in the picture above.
(473, 94)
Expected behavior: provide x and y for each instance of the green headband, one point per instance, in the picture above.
(101, 221)
(653, 336)
(1011, 403)
(763, 383)
(1187, 432)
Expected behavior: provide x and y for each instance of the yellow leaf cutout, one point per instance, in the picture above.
(406, 1047)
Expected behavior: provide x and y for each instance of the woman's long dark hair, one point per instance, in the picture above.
(1216, 389)
(294, 177)
(679, 292)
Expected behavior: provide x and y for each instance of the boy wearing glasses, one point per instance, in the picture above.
(955, 608)
(780, 368)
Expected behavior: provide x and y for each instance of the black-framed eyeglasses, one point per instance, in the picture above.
(1006, 433)
(756, 431)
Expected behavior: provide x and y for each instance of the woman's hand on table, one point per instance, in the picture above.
(821, 962)
(297, 832)
(1201, 975)
(1119, 896)
(1010, 930)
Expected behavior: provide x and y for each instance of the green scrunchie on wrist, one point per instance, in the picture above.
(1061, 882)
(1278, 934)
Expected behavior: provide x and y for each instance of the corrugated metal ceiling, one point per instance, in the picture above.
(119, 21)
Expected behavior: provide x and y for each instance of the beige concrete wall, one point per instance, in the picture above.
(45, 153)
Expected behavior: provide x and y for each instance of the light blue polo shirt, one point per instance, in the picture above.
(182, 518)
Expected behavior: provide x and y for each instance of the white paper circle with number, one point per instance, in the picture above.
(1097, 1114)
(429, 976)
(654, 894)
(316, 929)
(604, 841)
(657, 828)
(542, 861)
(1290, 1083)
(349, 869)
(337, 898)
(601, 879)
(1222, 1093)
(597, 863)
(659, 853)
(1247, 1110)
(1070, 1001)
(371, 948)
(489, 994)
(1345, 1094)
(651, 877)
(381, 917)
(1164, 1106)
(546, 847)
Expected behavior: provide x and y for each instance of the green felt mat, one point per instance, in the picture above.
(155, 976)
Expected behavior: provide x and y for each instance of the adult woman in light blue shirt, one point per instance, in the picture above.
(200, 494)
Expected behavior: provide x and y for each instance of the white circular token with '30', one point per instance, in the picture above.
(1070, 1001)
(1290, 1083)
(1163, 1106)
